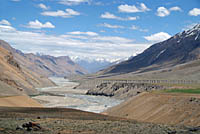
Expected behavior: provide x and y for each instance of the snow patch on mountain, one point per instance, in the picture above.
(95, 65)
(160, 53)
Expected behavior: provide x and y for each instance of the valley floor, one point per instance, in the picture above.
(65, 96)
(179, 110)
(70, 121)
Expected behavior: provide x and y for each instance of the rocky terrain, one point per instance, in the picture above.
(179, 49)
(16, 79)
(166, 108)
(45, 65)
(122, 90)
(69, 121)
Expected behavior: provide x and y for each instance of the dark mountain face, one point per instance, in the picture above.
(181, 48)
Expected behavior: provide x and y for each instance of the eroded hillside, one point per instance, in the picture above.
(16, 79)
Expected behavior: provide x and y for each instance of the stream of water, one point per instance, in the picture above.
(74, 98)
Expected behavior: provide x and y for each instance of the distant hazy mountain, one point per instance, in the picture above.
(53, 66)
(181, 48)
(45, 65)
(93, 66)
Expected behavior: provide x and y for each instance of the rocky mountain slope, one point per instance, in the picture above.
(16, 79)
(45, 65)
(181, 48)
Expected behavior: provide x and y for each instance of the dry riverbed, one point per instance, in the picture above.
(64, 95)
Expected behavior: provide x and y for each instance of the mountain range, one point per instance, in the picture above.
(181, 48)
(92, 65)
(45, 65)
(21, 73)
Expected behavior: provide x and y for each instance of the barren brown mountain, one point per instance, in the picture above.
(16, 79)
(45, 65)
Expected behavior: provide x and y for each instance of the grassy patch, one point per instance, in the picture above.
(190, 91)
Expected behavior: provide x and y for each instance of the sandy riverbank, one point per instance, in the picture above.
(18, 101)
(57, 101)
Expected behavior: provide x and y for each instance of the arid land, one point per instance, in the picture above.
(70, 121)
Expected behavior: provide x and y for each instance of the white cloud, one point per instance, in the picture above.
(113, 39)
(110, 26)
(102, 31)
(108, 47)
(133, 27)
(5, 22)
(108, 15)
(89, 33)
(6, 28)
(73, 2)
(158, 37)
(59, 13)
(16, 0)
(132, 18)
(38, 25)
(72, 12)
(44, 7)
(132, 8)
(162, 12)
(143, 7)
(143, 30)
(194, 12)
(176, 8)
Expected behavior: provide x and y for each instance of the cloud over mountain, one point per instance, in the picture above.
(158, 37)
(76, 43)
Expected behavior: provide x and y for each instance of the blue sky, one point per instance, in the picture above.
(93, 29)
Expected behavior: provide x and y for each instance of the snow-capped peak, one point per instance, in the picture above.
(197, 27)
(190, 32)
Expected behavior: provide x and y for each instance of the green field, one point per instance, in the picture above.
(190, 91)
